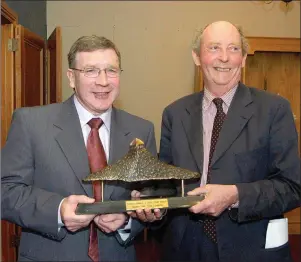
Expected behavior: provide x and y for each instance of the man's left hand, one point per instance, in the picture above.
(145, 215)
(110, 222)
(218, 198)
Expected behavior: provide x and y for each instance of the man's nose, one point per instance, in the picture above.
(224, 56)
(102, 78)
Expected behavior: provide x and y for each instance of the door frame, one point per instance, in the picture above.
(271, 44)
(9, 15)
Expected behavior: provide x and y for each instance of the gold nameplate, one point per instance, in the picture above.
(146, 204)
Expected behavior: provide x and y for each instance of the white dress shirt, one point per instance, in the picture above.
(104, 133)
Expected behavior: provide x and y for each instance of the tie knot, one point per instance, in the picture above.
(218, 103)
(95, 123)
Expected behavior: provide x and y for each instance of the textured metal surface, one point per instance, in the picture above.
(140, 165)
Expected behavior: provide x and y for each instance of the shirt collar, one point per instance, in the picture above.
(227, 97)
(85, 116)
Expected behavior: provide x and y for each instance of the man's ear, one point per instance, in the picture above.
(196, 58)
(243, 63)
(71, 77)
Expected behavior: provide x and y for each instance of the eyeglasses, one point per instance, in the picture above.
(93, 72)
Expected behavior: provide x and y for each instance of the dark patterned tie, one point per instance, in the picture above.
(97, 161)
(209, 224)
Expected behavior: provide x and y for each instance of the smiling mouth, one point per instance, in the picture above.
(220, 69)
(101, 94)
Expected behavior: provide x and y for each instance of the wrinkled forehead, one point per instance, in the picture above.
(221, 33)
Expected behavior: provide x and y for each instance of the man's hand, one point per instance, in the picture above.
(145, 215)
(218, 198)
(110, 222)
(72, 221)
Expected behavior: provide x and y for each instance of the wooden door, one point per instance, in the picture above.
(9, 238)
(278, 73)
(29, 59)
(54, 67)
(21, 85)
(8, 230)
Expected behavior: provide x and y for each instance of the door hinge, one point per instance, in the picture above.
(14, 241)
(13, 44)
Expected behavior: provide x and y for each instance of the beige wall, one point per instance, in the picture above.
(155, 39)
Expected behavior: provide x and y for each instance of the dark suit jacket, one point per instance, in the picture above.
(45, 160)
(257, 150)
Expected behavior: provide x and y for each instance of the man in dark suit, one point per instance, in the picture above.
(45, 159)
(244, 143)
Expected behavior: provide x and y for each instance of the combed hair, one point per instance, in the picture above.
(90, 44)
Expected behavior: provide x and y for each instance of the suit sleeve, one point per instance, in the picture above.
(22, 202)
(165, 154)
(280, 191)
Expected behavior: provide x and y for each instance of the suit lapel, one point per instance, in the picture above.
(119, 145)
(193, 126)
(71, 141)
(239, 113)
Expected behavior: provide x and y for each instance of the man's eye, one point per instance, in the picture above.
(214, 47)
(235, 48)
(90, 70)
(111, 70)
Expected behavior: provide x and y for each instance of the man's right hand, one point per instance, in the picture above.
(72, 221)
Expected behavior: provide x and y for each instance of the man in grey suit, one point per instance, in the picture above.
(45, 159)
(244, 143)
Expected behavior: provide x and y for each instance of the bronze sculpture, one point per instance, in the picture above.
(140, 165)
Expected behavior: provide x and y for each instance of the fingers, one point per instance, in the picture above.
(158, 214)
(84, 199)
(111, 217)
(135, 194)
(132, 214)
(147, 215)
(198, 208)
(141, 215)
(72, 221)
(75, 199)
(218, 198)
(76, 222)
(110, 222)
(101, 225)
(198, 191)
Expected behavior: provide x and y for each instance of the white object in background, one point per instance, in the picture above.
(277, 233)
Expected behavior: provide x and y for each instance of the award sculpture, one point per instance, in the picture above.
(136, 166)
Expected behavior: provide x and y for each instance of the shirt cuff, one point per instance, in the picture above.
(235, 205)
(124, 232)
(59, 218)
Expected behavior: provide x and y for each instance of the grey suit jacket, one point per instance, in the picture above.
(45, 160)
(257, 150)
